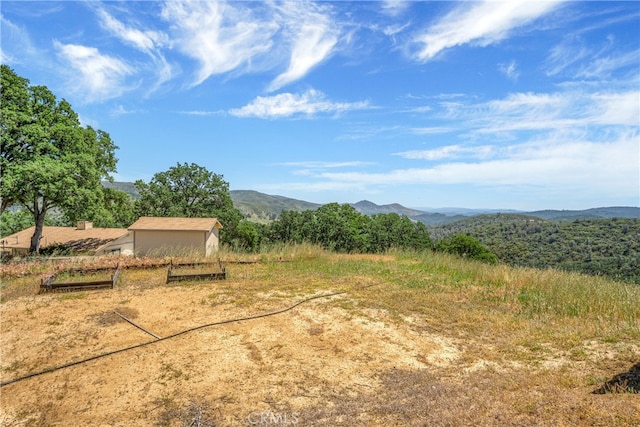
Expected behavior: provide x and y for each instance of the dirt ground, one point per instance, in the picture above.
(323, 362)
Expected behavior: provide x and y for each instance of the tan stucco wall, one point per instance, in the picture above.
(170, 242)
(121, 246)
(212, 241)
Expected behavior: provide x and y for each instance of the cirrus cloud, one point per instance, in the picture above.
(220, 36)
(101, 76)
(283, 105)
(484, 23)
(314, 36)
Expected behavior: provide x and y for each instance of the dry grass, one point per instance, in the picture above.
(504, 346)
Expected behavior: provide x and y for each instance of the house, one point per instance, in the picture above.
(161, 236)
(82, 238)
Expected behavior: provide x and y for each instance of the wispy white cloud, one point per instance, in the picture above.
(420, 109)
(615, 108)
(120, 110)
(395, 7)
(565, 142)
(540, 112)
(565, 54)
(557, 162)
(313, 37)
(316, 168)
(18, 39)
(603, 66)
(479, 24)
(510, 70)
(324, 165)
(392, 30)
(548, 171)
(431, 130)
(448, 152)
(144, 40)
(148, 41)
(580, 59)
(204, 113)
(309, 103)
(221, 36)
(101, 77)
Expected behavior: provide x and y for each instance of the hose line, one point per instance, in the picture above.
(168, 337)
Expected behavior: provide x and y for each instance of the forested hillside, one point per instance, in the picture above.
(264, 207)
(601, 246)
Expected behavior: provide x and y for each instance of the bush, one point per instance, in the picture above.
(467, 247)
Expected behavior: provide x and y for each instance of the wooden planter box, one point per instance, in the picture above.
(220, 274)
(49, 284)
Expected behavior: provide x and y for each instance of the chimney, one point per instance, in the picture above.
(85, 225)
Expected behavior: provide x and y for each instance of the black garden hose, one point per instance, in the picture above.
(168, 337)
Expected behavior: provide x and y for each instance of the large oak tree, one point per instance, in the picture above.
(47, 158)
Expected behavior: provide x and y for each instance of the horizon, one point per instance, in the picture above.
(408, 102)
(461, 208)
(429, 208)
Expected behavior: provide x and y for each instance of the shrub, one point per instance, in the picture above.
(467, 247)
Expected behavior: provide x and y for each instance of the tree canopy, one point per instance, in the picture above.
(467, 246)
(342, 228)
(48, 159)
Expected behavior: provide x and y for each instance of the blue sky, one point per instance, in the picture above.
(511, 105)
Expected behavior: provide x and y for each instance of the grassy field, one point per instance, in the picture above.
(394, 339)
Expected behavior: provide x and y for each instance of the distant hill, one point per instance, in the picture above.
(127, 187)
(432, 218)
(366, 207)
(260, 206)
(594, 213)
(465, 212)
(265, 207)
(609, 246)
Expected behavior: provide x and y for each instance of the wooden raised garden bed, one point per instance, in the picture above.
(49, 284)
(196, 271)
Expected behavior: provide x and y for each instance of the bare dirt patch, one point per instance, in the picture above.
(294, 357)
(339, 360)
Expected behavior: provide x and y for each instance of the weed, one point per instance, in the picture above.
(197, 412)
(169, 373)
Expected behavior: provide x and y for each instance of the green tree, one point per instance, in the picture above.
(48, 159)
(288, 228)
(15, 116)
(113, 208)
(393, 230)
(467, 247)
(246, 237)
(118, 209)
(341, 228)
(189, 191)
(12, 222)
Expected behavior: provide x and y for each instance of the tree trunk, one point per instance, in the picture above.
(4, 204)
(37, 233)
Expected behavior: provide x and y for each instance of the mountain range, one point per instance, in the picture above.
(256, 205)
(263, 207)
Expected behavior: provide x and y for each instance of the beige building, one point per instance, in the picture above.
(84, 239)
(164, 236)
